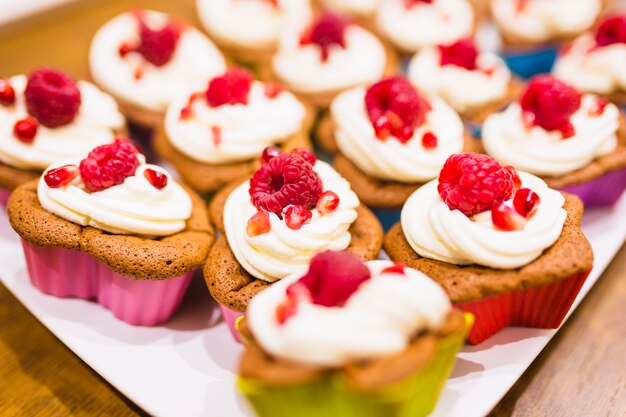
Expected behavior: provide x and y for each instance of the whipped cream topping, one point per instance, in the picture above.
(133, 207)
(282, 251)
(424, 24)
(245, 129)
(390, 159)
(379, 319)
(195, 60)
(541, 152)
(96, 123)
(436, 232)
(591, 68)
(357, 8)
(463, 89)
(543, 20)
(252, 24)
(362, 61)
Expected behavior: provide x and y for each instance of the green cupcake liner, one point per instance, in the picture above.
(415, 396)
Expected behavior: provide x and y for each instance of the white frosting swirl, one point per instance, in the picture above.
(195, 60)
(379, 319)
(391, 159)
(300, 67)
(424, 24)
(543, 20)
(543, 152)
(282, 251)
(436, 232)
(463, 89)
(133, 207)
(358, 8)
(95, 124)
(251, 23)
(593, 69)
(245, 129)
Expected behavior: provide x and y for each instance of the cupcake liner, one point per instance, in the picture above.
(415, 396)
(387, 217)
(231, 317)
(4, 197)
(68, 273)
(527, 63)
(543, 307)
(602, 191)
(474, 129)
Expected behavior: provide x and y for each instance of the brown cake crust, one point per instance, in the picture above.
(364, 376)
(137, 257)
(478, 115)
(570, 255)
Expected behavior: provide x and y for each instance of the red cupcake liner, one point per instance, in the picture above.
(542, 307)
(602, 191)
(231, 317)
(68, 273)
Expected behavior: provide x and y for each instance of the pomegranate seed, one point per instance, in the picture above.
(566, 48)
(397, 268)
(124, 49)
(306, 154)
(517, 182)
(156, 178)
(216, 134)
(187, 112)
(7, 93)
(567, 130)
(328, 202)
(506, 218)
(258, 224)
(25, 129)
(526, 202)
(520, 5)
(272, 90)
(528, 119)
(61, 176)
(429, 140)
(285, 310)
(138, 73)
(598, 107)
(297, 216)
(295, 294)
(299, 292)
(269, 153)
(488, 71)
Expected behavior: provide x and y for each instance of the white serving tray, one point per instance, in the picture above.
(187, 367)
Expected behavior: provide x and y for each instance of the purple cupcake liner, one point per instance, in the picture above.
(602, 191)
(4, 197)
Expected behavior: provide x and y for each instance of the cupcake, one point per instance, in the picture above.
(349, 339)
(47, 116)
(391, 139)
(112, 228)
(328, 56)
(505, 246)
(217, 135)
(249, 31)
(576, 142)
(293, 207)
(593, 63)
(475, 83)
(411, 25)
(533, 30)
(144, 59)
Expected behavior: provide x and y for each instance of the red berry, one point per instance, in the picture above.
(517, 182)
(526, 202)
(396, 268)
(7, 93)
(62, 176)
(520, 5)
(395, 108)
(272, 90)
(25, 129)
(329, 29)
(295, 294)
(124, 49)
(258, 224)
(231, 88)
(216, 135)
(410, 3)
(156, 178)
(287, 179)
(157, 46)
(598, 107)
(306, 154)
(269, 153)
(52, 97)
(328, 202)
(505, 218)
(462, 53)
(473, 183)
(429, 140)
(551, 103)
(612, 30)
(296, 217)
(186, 112)
(109, 165)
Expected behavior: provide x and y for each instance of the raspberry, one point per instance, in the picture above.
(52, 97)
(549, 103)
(287, 179)
(473, 183)
(462, 53)
(612, 30)
(306, 154)
(395, 108)
(109, 165)
(329, 29)
(231, 88)
(157, 46)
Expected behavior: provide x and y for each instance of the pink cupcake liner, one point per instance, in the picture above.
(543, 307)
(602, 191)
(4, 197)
(231, 317)
(68, 273)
